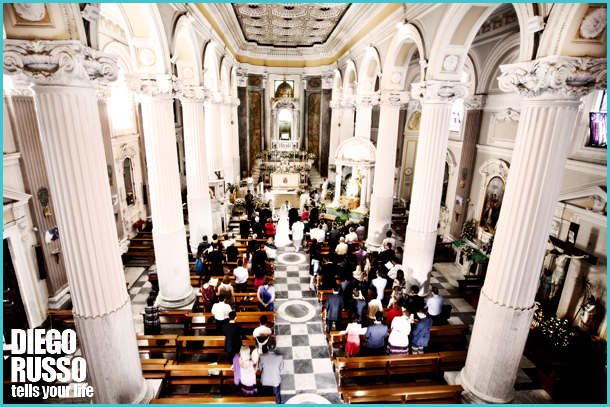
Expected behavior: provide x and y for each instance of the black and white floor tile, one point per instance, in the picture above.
(308, 376)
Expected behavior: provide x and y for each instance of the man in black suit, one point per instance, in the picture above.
(356, 306)
(244, 228)
(313, 216)
(249, 203)
(265, 214)
(258, 228)
(234, 334)
(232, 253)
(333, 239)
(333, 306)
(293, 215)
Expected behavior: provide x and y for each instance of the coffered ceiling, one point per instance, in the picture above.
(288, 24)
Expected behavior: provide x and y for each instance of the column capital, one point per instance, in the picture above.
(393, 98)
(366, 100)
(235, 101)
(242, 78)
(103, 93)
(554, 77)
(475, 102)
(160, 87)
(327, 80)
(439, 91)
(342, 103)
(196, 94)
(58, 63)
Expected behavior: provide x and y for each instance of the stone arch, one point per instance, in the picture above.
(337, 85)
(349, 80)
(404, 44)
(185, 45)
(233, 84)
(508, 45)
(459, 25)
(370, 69)
(224, 83)
(356, 149)
(211, 67)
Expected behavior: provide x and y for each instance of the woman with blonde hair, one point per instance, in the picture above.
(247, 372)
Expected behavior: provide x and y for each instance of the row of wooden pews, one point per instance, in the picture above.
(141, 246)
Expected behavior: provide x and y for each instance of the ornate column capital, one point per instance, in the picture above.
(58, 63)
(439, 91)
(194, 94)
(366, 100)
(103, 93)
(235, 101)
(475, 102)
(556, 76)
(393, 98)
(157, 87)
(242, 78)
(327, 80)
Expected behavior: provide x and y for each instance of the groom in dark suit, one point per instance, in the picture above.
(293, 215)
(233, 336)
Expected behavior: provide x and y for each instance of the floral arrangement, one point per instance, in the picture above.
(129, 196)
(344, 208)
(258, 201)
(277, 155)
(138, 223)
(367, 215)
(340, 221)
(311, 156)
(558, 331)
(469, 230)
(322, 208)
(486, 247)
(537, 318)
(231, 187)
(239, 202)
(258, 155)
(467, 251)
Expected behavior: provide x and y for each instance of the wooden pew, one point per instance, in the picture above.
(154, 368)
(248, 320)
(452, 360)
(443, 252)
(207, 345)
(156, 344)
(454, 334)
(470, 281)
(387, 365)
(195, 282)
(436, 394)
(240, 302)
(60, 315)
(149, 254)
(210, 399)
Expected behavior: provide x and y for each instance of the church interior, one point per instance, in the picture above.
(155, 152)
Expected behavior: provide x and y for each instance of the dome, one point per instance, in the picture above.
(284, 91)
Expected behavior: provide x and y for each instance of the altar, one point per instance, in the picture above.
(284, 180)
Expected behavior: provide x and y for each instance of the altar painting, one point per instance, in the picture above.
(494, 195)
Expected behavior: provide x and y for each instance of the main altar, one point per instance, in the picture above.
(285, 180)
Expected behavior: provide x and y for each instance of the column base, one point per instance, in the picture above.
(455, 378)
(418, 258)
(496, 347)
(177, 305)
(104, 341)
(171, 254)
(380, 220)
(61, 299)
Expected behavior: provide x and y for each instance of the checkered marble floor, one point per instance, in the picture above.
(308, 376)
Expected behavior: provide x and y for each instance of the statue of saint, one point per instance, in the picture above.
(284, 166)
(353, 186)
(586, 314)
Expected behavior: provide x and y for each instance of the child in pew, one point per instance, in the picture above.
(375, 337)
(353, 331)
(421, 333)
(152, 319)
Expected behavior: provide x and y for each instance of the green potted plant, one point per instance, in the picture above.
(231, 188)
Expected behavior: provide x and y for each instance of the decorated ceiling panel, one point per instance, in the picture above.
(288, 24)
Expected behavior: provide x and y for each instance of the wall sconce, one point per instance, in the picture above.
(339, 124)
(56, 253)
(457, 215)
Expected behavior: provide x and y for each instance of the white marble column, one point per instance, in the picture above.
(381, 203)
(213, 127)
(363, 181)
(364, 115)
(156, 96)
(369, 185)
(66, 105)
(436, 98)
(337, 196)
(335, 130)
(552, 88)
(227, 138)
(234, 122)
(198, 192)
(347, 120)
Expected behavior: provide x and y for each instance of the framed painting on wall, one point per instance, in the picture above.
(494, 194)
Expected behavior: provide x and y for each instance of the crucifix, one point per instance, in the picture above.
(562, 258)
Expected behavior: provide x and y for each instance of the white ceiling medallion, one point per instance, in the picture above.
(368, 86)
(594, 23)
(30, 11)
(188, 72)
(450, 62)
(147, 56)
(395, 78)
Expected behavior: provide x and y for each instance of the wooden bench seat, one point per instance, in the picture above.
(154, 368)
(205, 345)
(148, 254)
(454, 334)
(387, 365)
(211, 399)
(248, 320)
(240, 301)
(60, 315)
(417, 394)
(156, 344)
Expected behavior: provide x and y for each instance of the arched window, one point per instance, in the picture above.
(128, 180)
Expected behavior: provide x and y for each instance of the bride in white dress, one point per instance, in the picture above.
(282, 232)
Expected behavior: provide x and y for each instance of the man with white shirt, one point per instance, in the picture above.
(297, 233)
(221, 311)
(241, 277)
(263, 329)
(434, 306)
(394, 269)
(351, 237)
(319, 234)
(380, 283)
(229, 241)
(388, 239)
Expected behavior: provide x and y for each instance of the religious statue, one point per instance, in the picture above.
(559, 273)
(586, 314)
(353, 186)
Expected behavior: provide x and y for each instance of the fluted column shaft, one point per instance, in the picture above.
(214, 142)
(198, 195)
(547, 123)
(347, 122)
(227, 139)
(234, 122)
(364, 115)
(381, 202)
(71, 135)
(337, 196)
(335, 131)
(420, 240)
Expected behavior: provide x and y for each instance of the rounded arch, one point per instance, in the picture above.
(458, 27)
(356, 150)
(224, 77)
(370, 70)
(233, 82)
(402, 48)
(337, 85)
(507, 46)
(185, 45)
(122, 51)
(349, 80)
(210, 67)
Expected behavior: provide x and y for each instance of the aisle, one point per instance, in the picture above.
(308, 376)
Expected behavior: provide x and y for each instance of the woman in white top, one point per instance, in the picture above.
(398, 342)
(270, 249)
(282, 232)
